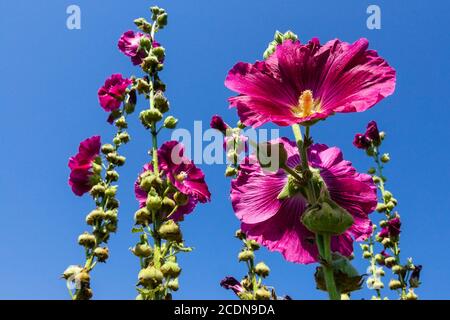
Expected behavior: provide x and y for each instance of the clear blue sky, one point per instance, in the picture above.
(49, 79)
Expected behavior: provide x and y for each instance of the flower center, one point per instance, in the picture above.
(306, 105)
(181, 176)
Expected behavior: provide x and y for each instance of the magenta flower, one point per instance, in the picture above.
(130, 45)
(276, 223)
(392, 229)
(183, 174)
(113, 92)
(81, 164)
(307, 82)
(231, 283)
(371, 136)
(218, 124)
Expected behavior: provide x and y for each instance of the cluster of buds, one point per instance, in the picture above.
(251, 286)
(279, 38)
(405, 276)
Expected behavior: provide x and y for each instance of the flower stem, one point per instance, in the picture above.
(328, 269)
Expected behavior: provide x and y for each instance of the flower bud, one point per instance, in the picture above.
(390, 261)
(87, 240)
(367, 255)
(159, 52)
(142, 250)
(386, 242)
(111, 191)
(168, 203)
(108, 148)
(148, 182)
(262, 269)
(253, 245)
(383, 223)
(102, 254)
(83, 278)
(262, 294)
(152, 115)
(173, 285)
(94, 216)
(395, 284)
(112, 203)
(390, 205)
(124, 137)
(97, 168)
(97, 191)
(142, 86)
(246, 255)
(240, 234)
(143, 25)
(245, 295)
(411, 295)
(365, 247)
(170, 269)
(170, 231)
(71, 271)
(150, 277)
(385, 158)
(150, 63)
(153, 202)
(397, 269)
(170, 122)
(327, 217)
(371, 170)
(379, 259)
(161, 103)
(121, 123)
(230, 171)
(120, 161)
(181, 199)
(143, 217)
(112, 175)
(83, 294)
(162, 20)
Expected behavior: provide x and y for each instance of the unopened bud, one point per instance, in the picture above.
(411, 295)
(170, 269)
(246, 255)
(371, 170)
(262, 294)
(262, 269)
(108, 148)
(381, 207)
(170, 122)
(153, 202)
(87, 240)
(97, 191)
(385, 158)
(231, 171)
(161, 103)
(143, 217)
(379, 258)
(102, 254)
(173, 285)
(170, 231)
(240, 234)
(395, 284)
(397, 269)
(112, 175)
(124, 137)
(111, 191)
(367, 255)
(143, 25)
(150, 277)
(390, 261)
(121, 123)
(181, 199)
(94, 216)
(71, 271)
(83, 278)
(142, 250)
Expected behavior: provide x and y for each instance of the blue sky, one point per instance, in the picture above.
(50, 76)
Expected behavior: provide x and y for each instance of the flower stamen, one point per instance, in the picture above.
(306, 105)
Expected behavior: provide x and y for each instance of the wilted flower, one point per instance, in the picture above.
(231, 283)
(303, 83)
(81, 165)
(371, 136)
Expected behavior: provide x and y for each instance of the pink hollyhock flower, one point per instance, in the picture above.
(307, 82)
(183, 174)
(81, 164)
(392, 229)
(112, 93)
(276, 223)
(231, 283)
(130, 45)
(371, 136)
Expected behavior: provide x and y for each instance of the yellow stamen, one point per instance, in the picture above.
(306, 105)
(181, 176)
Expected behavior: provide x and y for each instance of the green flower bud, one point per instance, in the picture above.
(159, 52)
(102, 254)
(117, 141)
(170, 231)
(170, 122)
(379, 258)
(262, 269)
(108, 148)
(121, 160)
(170, 269)
(83, 294)
(371, 170)
(327, 217)
(397, 269)
(111, 227)
(231, 171)
(143, 25)
(253, 245)
(97, 168)
(173, 285)
(87, 240)
(147, 182)
(124, 137)
(262, 294)
(247, 284)
(246, 255)
(367, 255)
(365, 247)
(168, 203)
(150, 277)
(111, 191)
(245, 295)
(241, 126)
(145, 43)
(162, 20)
(139, 297)
(112, 203)
(94, 216)
(383, 223)
(181, 199)
(386, 242)
(411, 295)
(381, 207)
(382, 135)
(390, 262)
(97, 191)
(154, 202)
(390, 206)
(122, 123)
(385, 158)
(143, 217)
(142, 86)
(142, 250)
(112, 175)
(83, 278)
(395, 284)
(150, 63)
(387, 195)
(152, 115)
(161, 103)
(71, 271)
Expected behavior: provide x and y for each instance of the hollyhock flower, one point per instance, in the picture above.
(218, 124)
(276, 223)
(371, 136)
(231, 283)
(303, 83)
(130, 45)
(182, 173)
(81, 164)
(112, 93)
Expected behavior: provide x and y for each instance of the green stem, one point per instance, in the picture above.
(301, 145)
(328, 269)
